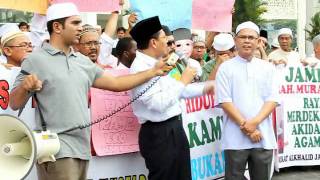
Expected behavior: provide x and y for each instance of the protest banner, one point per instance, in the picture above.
(203, 126)
(94, 6)
(37, 6)
(174, 14)
(298, 131)
(212, 15)
(119, 133)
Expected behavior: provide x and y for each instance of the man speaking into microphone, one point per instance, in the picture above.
(162, 140)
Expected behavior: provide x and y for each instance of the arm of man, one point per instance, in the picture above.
(131, 20)
(233, 113)
(162, 95)
(123, 83)
(251, 125)
(111, 24)
(271, 100)
(20, 95)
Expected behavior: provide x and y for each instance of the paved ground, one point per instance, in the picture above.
(298, 173)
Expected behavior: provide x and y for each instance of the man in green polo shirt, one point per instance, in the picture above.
(61, 79)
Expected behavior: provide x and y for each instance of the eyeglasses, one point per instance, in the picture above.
(199, 47)
(23, 45)
(91, 43)
(170, 43)
(250, 38)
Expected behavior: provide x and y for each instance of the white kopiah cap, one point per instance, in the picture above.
(11, 35)
(247, 25)
(8, 28)
(285, 31)
(62, 10)
(223, 42)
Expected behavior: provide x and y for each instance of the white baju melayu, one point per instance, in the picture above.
(248, 85)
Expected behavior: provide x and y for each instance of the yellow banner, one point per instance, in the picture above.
(37, 6)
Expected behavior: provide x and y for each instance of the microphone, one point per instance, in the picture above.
(183, 58)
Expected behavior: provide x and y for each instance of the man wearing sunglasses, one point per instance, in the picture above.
(170, 38)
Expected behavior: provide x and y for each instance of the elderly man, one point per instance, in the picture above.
(199, 50)
(16, 46)
(4, 30)
(89, 44)
(284, 55)
(314, 61)
(247, 94)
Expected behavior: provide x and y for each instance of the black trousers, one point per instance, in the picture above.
(165, 148)
(259, 162)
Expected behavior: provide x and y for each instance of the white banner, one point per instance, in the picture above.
(298, 128)
(203, 126)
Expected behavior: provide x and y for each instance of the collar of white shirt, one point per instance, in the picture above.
(150, 61)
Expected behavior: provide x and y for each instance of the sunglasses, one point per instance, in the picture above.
(170, 43)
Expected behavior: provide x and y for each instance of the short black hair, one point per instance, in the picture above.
(50, 24)
(124, 44)
(121, 29)
(23, 24)
(143, 44)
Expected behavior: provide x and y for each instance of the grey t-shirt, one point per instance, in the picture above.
(63, 98)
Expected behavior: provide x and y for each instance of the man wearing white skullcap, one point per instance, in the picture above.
(223, 45)
(61, 79)
(284, 55)
(3, 30)
(247, 93)
(16, 46)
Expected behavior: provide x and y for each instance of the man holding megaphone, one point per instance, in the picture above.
(61, 79)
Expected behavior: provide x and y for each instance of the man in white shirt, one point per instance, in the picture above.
(162, 140)
(247, 92)
(284, 55)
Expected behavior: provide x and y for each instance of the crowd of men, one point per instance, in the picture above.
(64, 58)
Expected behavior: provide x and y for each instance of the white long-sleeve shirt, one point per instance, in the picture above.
(161, 101)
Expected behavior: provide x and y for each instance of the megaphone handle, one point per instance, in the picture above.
(43, 123)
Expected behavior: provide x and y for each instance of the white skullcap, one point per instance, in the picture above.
(223, 42)
(275, 43)
(10, 35)
(285, 31)
(61, 10)
(8, 28)
(247, 25)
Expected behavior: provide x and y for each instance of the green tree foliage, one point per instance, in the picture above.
(315, 27)
(248, 10)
